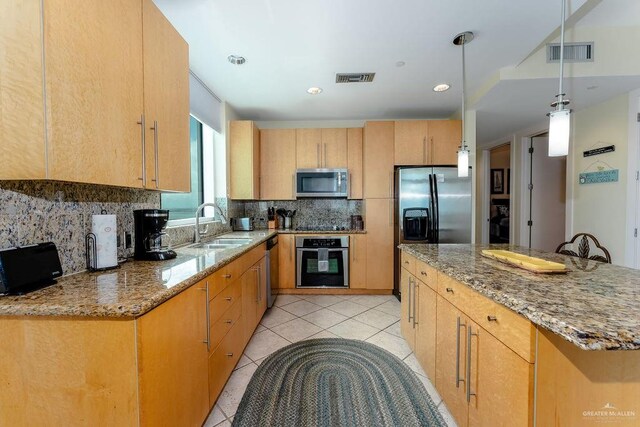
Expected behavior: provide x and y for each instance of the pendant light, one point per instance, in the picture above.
(463, 153)
(560, 118)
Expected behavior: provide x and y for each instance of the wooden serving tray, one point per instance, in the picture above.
(529, 263)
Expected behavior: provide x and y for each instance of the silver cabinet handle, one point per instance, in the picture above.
(449, 290)
(293, 188)
(207, 341)
(228, 299)
(492, 318)
(390, 184)
(228, 321)
(349, 185)
(144, 160)
(469, 335)
(422, 273)
(226, 276)
(409, 301)
(291, 251)
(259, 269)
(325, 155)
(155, 152)
(353, 249)
(458, 379)
(229, 354)
(415, 298)
(424, 150)
(318, 160)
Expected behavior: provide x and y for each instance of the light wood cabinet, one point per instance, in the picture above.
(334, 148)
(166, 103)
(277, 164)
(287, 261)
(97, 66)
(254, 298)
(358, 261)
(425, 335)
(243, 160)
(172, 360)
(379, 222)
(411, 142)
(354, 162)
(407, 317)
(444, 139)
(378, 161)
(321, 148)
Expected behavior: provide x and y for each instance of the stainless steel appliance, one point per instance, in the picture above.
(272, 270)
(322, 262)
(433, 206)
(322, 183)
(151, 241)
(242, 224)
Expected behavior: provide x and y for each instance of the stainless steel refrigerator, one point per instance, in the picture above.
(433, 205)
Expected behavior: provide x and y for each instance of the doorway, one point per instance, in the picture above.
(499, 193)
(547, 195)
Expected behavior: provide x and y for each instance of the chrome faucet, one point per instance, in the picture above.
(223, 219)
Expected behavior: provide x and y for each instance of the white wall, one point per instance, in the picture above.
(600, 209)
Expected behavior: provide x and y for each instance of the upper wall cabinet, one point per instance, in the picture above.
(277, 164)
(79, 116)
(243, 165)
(378, 160)
(321, 148)
(426, 142)
(354, 162)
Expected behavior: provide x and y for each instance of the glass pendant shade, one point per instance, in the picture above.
(559, 127)
(463, 163)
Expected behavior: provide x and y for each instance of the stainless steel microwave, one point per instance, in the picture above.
(322, 183)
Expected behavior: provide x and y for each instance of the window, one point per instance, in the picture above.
(182, 206)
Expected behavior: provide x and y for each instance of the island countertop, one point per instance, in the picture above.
(131, 290)
(595, 306)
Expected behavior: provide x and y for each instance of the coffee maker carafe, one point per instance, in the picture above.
(151, 241)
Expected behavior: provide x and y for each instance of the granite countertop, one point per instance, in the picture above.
(327, 232)
(595, 306)
(131, 290)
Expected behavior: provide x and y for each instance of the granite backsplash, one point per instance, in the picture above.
(40, 211)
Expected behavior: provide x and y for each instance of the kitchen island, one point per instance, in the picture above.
(505, 345)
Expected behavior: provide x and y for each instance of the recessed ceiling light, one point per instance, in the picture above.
(236, 59)
(441, 87)
(314, 90)
(400, 64)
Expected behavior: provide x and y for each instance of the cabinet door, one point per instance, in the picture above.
(262, 290)
(426, 331)
(406, 307)
(277, 164)
(380, 251)
(444, 140)
(308, 148)
(286, 261)
(410, 142)
(451, 350)
(250, 300)
(354, 162)
(21, 97)
(172, 361)
(378, 160)
(166, 103)
(243, 165)
(93, 63)
(358, 261)
(501, 383)
(334, 148)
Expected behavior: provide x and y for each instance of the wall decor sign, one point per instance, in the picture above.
(599, 177)
(600, 150)
(497, 181)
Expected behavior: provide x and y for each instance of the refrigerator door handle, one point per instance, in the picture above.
(437, 208)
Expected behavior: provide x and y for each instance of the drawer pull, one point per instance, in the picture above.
(229, 354)
(450, 290)
(492, 318)
(423, 273)
(228, 299)
(228, 322)
(226, 276)
(406, 262)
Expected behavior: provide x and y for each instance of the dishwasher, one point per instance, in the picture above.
(272, 270)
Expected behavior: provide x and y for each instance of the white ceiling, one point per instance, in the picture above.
(291, 45)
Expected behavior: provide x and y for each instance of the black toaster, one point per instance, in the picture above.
(27, 268)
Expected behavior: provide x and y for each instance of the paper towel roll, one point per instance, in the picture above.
(104, 227)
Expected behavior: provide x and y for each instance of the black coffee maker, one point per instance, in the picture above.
(151, 241)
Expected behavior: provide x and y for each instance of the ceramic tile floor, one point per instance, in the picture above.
(372, 318)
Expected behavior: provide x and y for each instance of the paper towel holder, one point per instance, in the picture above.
(91, 254)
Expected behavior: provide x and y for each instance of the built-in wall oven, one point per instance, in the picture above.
(322, 262)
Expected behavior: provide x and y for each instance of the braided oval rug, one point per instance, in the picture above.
(335, 382)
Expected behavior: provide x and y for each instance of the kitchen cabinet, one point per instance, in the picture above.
(407, 315)
(379, 221)
(287, 261)
(92, 98)
(172, 360)
(277, 164)
(411, 143)
(354, 162)
(377, 161)
(425, 334)
(321, 148)
(243, 161)
(445, 138)
(254, 301)
(357, 261)
(166, 103)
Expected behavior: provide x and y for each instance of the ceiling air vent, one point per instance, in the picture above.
(573, 52)
(355, 77)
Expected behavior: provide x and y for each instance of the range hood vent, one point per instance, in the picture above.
(355, 77)
(573, 52)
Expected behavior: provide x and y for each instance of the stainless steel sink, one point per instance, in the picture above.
(222, 243)
(230, 241)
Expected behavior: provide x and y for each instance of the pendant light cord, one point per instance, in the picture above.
(464, 140)
(560, 101)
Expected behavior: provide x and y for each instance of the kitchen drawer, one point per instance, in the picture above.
(224, 323)
(224, 359)
(253, 256)
(510, 328)
(224, 300)
(408, 262)
(225, 276)
(427, 275)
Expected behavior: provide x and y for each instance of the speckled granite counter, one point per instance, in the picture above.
(595, 306)
(326, 232)
(130, 291)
